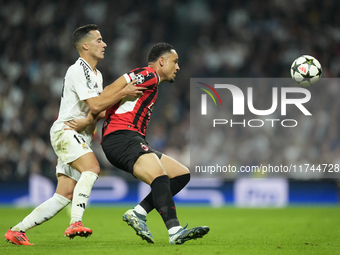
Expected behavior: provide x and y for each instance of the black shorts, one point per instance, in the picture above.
(123, 147)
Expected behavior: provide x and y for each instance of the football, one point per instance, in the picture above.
(306, 70)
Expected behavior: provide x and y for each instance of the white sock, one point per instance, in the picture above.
(81, 195)
(43, 212)
(174, 230)
(139, 209)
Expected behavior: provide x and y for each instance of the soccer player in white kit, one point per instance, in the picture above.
(77, 168)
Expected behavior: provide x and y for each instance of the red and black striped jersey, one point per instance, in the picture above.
(134, 113)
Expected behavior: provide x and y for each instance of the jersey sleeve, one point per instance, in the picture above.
(101, 81)
(82, 84)
(145, 77)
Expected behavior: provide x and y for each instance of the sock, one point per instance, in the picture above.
(140, 210)
(81, 195)
(174, 230)
(176, 185)
(43, 212)
(162, 199)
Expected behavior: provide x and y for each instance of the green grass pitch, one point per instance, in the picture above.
(292, 230)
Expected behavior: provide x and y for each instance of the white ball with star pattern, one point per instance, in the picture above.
(306, 70)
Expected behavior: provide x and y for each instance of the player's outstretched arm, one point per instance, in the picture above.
(113, 93)
(110, 96)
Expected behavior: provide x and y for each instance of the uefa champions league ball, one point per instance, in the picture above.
(306, 70)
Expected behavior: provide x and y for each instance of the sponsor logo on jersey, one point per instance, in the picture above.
(91, 91)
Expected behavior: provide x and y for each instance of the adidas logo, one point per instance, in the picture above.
(303, 69)
(19, 238)
(81, 205)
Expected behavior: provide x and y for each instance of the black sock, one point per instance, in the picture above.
(162, 199)
(176, 185)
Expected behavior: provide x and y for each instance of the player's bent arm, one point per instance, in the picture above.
(112, 94)
(91, 117)
(109, 96)
(101, 115)
(80, 125)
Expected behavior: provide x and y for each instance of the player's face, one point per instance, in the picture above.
(96, 45)
(171, 66)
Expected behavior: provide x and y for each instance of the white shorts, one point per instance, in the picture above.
(69, 145)
(66, 169)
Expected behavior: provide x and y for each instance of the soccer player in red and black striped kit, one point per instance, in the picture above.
(125, 147)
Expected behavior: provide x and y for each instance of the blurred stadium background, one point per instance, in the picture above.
(214, 38)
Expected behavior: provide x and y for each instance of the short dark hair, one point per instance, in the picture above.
(82, 32)
(158, 50)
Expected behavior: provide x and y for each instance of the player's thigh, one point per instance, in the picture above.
(172, 167)
(148, 167)
(65, 186)
(87, 162)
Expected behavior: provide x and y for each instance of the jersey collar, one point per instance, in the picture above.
(87, 64)
(158, 78)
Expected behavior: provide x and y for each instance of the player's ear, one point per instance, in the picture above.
(85, 46)
(161, 61)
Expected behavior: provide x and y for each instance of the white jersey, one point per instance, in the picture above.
(80, 83)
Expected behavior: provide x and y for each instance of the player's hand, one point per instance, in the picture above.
(130, 90)
(78, 125)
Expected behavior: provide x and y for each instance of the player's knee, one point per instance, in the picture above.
(188, 174)
(65, 192)
(148, 175)
(69, 195)
(186, 170)
(95, 169)
(156, 175)
(186, 178)
(183, 170)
